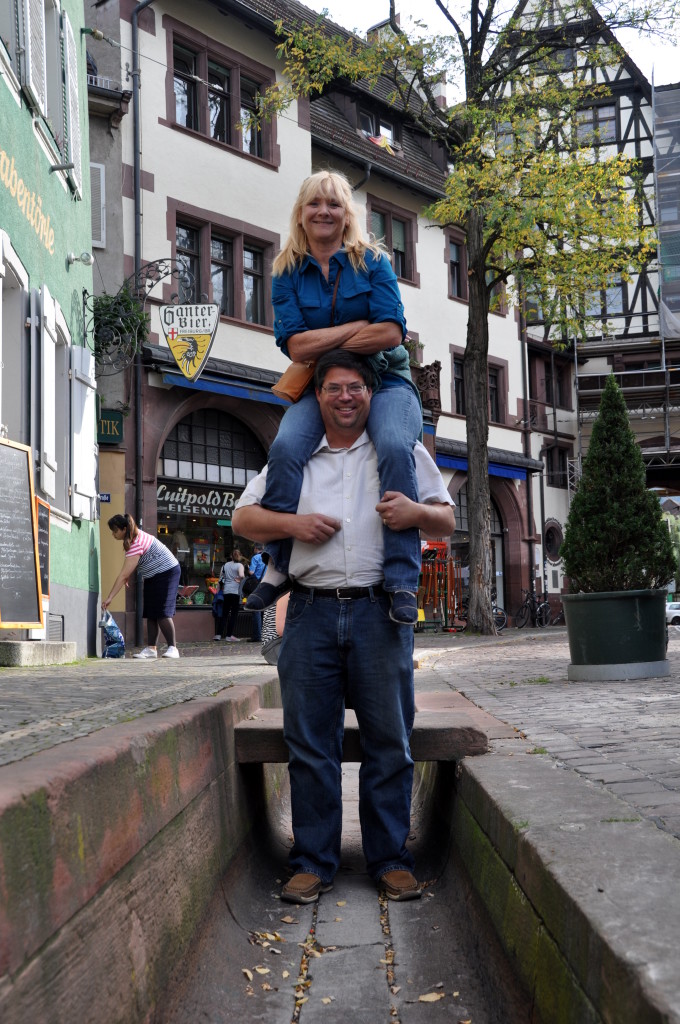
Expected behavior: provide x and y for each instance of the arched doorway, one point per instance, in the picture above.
(460, 544)
(205, 463)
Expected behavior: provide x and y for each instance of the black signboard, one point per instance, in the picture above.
(43, 512)
(20, 596)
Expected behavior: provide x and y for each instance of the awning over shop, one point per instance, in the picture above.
(220, 377)
(512, 465)
(236, 389)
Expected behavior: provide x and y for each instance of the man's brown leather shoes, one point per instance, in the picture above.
(304, 888)
(400, 885)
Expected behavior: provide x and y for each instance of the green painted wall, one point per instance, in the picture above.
(27, 186)
(74, 556)
(44, 222)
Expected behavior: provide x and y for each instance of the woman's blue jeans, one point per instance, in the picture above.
(394, 425)
(331, 650)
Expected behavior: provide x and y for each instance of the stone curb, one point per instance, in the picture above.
(584, 896)
(79, 826)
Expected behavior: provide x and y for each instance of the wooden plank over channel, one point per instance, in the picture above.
(439, 734)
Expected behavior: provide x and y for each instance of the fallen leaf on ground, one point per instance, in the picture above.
(431, 997)
(341, 903)
(326, 1000)
(262, 970)
(248, 974)
(285, 974)
(288, 919)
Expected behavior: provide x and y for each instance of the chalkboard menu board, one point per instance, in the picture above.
(43, 513)
(20, 596)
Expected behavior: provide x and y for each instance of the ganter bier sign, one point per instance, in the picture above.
(195, 501)
(190, 332)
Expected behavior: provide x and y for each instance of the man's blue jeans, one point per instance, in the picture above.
(394, 425)
(331, 649)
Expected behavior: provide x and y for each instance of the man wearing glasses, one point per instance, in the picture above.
(339, 641)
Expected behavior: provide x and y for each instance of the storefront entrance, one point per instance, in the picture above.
(204, 466)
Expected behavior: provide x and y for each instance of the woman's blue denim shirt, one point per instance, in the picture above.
(303, 299)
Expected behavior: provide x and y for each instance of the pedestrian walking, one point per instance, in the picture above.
(231, 580)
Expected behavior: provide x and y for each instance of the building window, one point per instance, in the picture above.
(377, 127)
(596, 126)
(210, 446)
(533, 309)
(556, 386)
(219, 102)
(397, 229)
(609, 302)
(552, 540)
(252, 138)
(222, 274)
(456, 258)
(497, 384)
(458, 386)
(212, 256)
(253, 284)
(188, 255)
(494, 395)
(556, 466)
(215, 90)
(186, 87)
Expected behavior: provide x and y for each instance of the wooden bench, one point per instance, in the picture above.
(447, 727)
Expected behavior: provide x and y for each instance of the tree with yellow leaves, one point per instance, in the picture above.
(545, 212)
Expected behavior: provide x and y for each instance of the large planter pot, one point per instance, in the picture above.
(618, 635)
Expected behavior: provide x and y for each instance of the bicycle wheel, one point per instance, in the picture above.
(523, 615)
(500, 617)
(543, 614)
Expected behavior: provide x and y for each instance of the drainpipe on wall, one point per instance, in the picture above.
(367, 169)
(526, 444)
(137, 369)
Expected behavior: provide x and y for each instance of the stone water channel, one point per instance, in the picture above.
(355, 957)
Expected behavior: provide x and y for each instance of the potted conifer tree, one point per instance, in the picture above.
(618, 556)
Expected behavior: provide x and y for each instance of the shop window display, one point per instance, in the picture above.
(206, 461)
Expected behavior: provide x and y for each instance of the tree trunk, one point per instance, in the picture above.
(475, 372)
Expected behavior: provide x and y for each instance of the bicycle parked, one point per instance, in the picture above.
(500, 616)
(533, 609)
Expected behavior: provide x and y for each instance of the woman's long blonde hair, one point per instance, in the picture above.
(354, 242)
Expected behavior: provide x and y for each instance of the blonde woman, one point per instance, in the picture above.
(333, 288)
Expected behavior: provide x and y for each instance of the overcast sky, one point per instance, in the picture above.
(663, 59)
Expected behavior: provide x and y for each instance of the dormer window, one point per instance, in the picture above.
(376, 127)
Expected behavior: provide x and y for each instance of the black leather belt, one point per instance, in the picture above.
(338, 593)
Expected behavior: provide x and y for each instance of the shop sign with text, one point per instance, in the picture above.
(190, 331)
(175, 498)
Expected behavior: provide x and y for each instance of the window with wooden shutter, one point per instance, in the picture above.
(73, 135)
(33, 70)
(54, 67)
(48, 343)
(84, 437)
(8, 35)
(97, 199)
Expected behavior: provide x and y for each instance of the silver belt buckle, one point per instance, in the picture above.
(339, 596)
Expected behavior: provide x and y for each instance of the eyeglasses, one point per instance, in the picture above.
(333, 390)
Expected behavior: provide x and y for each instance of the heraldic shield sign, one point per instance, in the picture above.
(190, 332)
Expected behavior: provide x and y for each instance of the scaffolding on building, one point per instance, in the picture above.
(666, 119)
